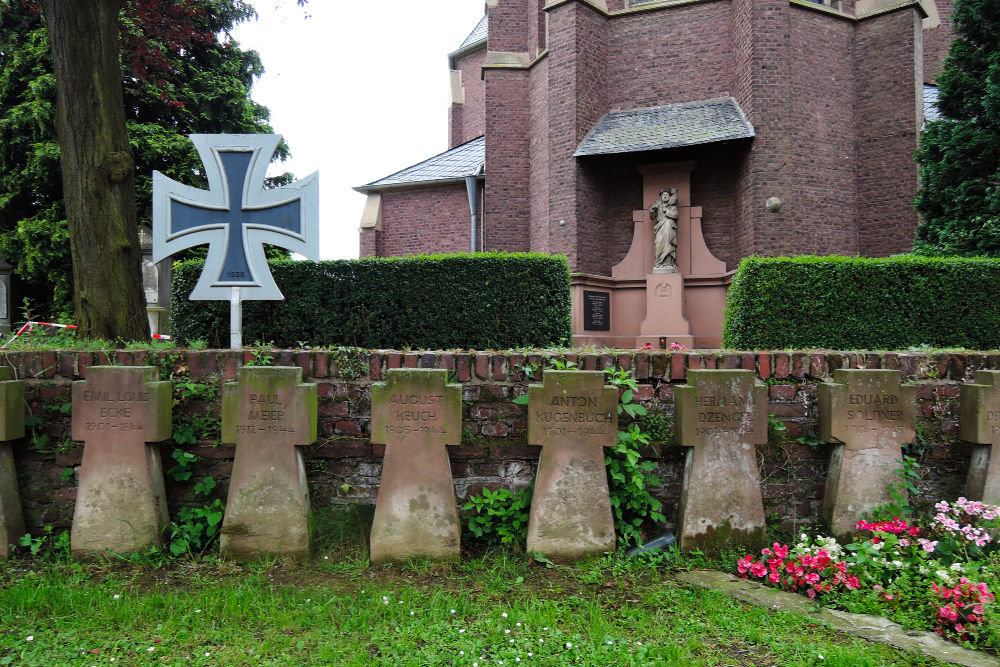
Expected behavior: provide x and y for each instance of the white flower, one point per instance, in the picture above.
(541, 641)
(956, 567)
(412, 613)
(385, 600)
(569, 645)
(461, 631)
(29, 638)
(518, 624)
(530, 654)
(511, 641)
(610, 642)
(507, 631)
(150, 649)
(504, 614)
(207, 653)
(453, 611)
(115, 596)
(197, 611)
(461, 652)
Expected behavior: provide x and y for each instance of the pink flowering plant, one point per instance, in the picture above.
(937, 574)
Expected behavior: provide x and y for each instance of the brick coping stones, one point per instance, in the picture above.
(980, 424)
(868, 415)
(573, 415)
(11, 428)
(415, 414)
(721, 415)
(121, 504)
(268, 412)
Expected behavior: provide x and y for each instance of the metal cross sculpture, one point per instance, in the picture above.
(236, 216)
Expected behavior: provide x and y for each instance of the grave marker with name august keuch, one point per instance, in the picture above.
(415, 414)
(868, 415)
(121, 503)
(573, 415)
(269, 413)
(11, 428)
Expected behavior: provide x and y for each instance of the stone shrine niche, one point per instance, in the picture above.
(668, 288)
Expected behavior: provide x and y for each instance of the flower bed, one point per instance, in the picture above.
(938, 573)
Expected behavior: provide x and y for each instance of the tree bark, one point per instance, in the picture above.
(97, 169)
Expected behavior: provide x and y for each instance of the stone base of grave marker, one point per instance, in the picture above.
(121, 503)
(721, 415)
(267, 412)
(872, 415)
(573, 416)
(980, 424)
(11, 428)
(415, 413)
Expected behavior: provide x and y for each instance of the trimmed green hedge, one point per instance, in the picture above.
(481, 301)
(852, 303)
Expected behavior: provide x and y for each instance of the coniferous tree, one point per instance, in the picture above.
(959, 157)
(180, 74)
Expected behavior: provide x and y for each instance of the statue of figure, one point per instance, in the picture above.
(664, 211)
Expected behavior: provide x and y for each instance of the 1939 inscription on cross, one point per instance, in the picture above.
(121, 504)
(236, 216)
(415, 414)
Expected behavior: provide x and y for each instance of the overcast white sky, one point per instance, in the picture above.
(358, 89)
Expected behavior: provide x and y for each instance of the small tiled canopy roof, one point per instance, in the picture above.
(448, 167)
(478, 34)
(670, 126)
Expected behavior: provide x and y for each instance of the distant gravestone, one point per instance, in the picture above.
(721, 415)
(415, 414)
(980, 424)
(573, 416)
(872, 415)
(268, 413)
(120, 504)
(11, 428)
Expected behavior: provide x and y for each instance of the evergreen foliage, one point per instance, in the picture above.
(478, 301)
(851, 303)
(959, 157)
(203, 87)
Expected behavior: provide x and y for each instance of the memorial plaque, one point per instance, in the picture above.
(980, 424)
(415, 413)
(721, 415)
(120, 505)
(872, 415)
(268, 413)
(11, 428)
(596, 311)
(573, 415)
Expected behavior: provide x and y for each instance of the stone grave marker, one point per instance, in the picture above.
(721, 415)
(268, 413)
(415, 414)
(573, 415)
(121, 505)
(11, 428)
(980, 424)
(868, 415)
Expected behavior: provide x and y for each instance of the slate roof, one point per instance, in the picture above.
(478, 34)
(670, 126)
(930, 104)
(451, 166)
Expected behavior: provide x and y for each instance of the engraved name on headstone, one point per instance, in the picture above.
(573, 415)
(415, 413)
(980, 424)
(721, 415)
(11, 428)
(268, 412)
(120, 504)
(872, 415)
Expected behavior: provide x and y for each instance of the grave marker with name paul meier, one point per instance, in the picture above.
(980, 424)
(573, 415)
(721, 415)
(269, 413)
(868, 414)
(415, 414)
(121, 504)
(11, 428)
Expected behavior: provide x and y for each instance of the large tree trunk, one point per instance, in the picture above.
(97, 169)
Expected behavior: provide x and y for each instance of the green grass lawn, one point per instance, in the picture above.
(494, 608)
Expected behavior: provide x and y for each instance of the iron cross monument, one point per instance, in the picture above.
(236, 216)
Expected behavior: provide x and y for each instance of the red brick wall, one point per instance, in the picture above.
(886, 118)
(936, 42)
(468, 120)
(741, 34)
(507, 198)
(345, 467)
(509, 25)
(426, 220)
(538, 95)
(370, 243)
(823, 150)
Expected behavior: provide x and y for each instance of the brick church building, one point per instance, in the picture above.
(787, 127)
